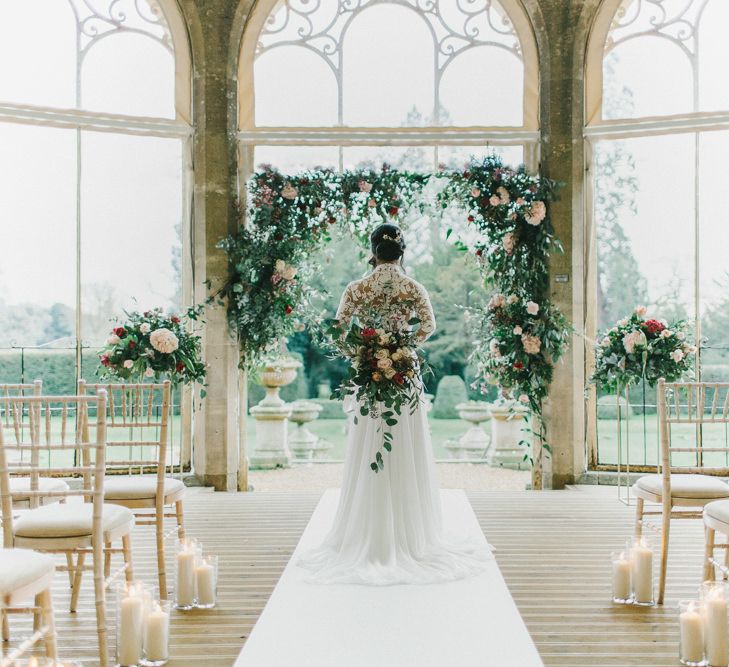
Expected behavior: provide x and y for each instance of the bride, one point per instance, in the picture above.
(388, 526)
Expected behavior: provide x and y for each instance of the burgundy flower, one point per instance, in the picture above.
(393, 210)
(479, 252)
(398, 378)
(368, 332)
(653, 326)
(175, 319)
(132, 345)
(518, 365)
(288, 310)
(180, 366)
(471, 218)
(120, 331)
(105, 361)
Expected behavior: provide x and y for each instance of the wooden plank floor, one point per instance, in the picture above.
(553, 548)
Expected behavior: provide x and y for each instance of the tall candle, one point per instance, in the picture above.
(157, 635)
(131, 621)
(205, 583)
(621, 577)
(185, 576)
(716, 628)
(642, 558)
(692, 634)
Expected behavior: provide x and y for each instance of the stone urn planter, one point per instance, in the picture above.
(472, 445)
(272, 414)
(302, 442)
(507, 431)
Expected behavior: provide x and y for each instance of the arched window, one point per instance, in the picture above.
(413, 83)
(94, 169)
(657, 124)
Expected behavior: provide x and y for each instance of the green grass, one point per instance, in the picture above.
(643, 441)
(333, 430)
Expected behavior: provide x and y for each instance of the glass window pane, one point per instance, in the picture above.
(38, 232)
(294, 159)
(483, 86)
(714, 240)
(647, 76)
(38, 53)
(407, 158)
(129, 74)
(644, 216)
(309, 97)
(713, 57)
(131, 216)
(383, 85)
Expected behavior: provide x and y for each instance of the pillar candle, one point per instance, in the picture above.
(716, 628)
(157, 635)
(642, 558)
(692, 634)
(131, 621)
(621, 577)
(185, 576)
(205, 583)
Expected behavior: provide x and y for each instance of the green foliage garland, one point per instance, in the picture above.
(290, 217)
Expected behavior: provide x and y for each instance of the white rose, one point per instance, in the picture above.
(680, 335)
(518, 330)
(532, 308)
(605, 342)
(640, 311)
(384, 363)
(523, 398)
(279, 266)
(494, 200)
(289, 191)
(396, 356)
(384, 339)
(666, 333)
(145, 328)
(112, 340)
(128, 363)
(677, 355)
(389, 373)
(512, 299)
(149, 373)
(381, 354)
(494, 348)
(289, 273)
(622, 322)
(163, 340)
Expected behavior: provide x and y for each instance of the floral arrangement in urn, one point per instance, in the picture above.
(154, 345)
(639, 348)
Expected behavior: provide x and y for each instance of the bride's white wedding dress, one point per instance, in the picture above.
(388, 527)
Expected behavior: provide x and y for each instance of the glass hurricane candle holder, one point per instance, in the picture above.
(206, 582)
(156, 635)
(132, 607)
(622, 577)
(188, 553)
(641, 558)
(715, 599)
(691, 628)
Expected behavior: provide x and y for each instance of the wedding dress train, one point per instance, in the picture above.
(388, 526)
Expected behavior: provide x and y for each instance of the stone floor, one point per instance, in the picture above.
(321, 476)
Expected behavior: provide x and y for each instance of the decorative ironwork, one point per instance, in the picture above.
(455, 26)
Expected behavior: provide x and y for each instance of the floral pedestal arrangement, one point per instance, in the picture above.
(272, 414)
(303, 443)
(507, 431)
(474, 443)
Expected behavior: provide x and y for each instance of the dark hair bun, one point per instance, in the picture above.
(387, 242)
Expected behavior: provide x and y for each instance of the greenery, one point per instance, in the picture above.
(270, 296)
(637, 348)
(154, 345)
(450, 392)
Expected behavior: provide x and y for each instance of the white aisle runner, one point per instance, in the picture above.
(471, 622)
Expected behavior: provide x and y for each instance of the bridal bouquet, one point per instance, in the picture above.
(153, 345)
(637, 348)
(385, 372)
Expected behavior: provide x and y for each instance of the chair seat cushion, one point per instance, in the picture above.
(20, 568)
(139, 487)
(695, 487)
(69, 520)
(19, 485)
(718, 509)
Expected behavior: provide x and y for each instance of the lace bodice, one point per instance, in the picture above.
(395, 297)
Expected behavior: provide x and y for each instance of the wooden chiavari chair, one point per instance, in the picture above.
(687, 406)
(24, 575)
(22, 483)
(59, 426)
(141, 413)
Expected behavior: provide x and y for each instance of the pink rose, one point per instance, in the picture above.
(503, 194)
(531, 344)
(537, 213)
(494, 200)
(518, 330)
(496, 301)
(508, 242)
(289, 191)
(475, 192)
(364, 186)
(640, 311)
(532, 308)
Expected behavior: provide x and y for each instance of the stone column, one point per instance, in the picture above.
(216, 454)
